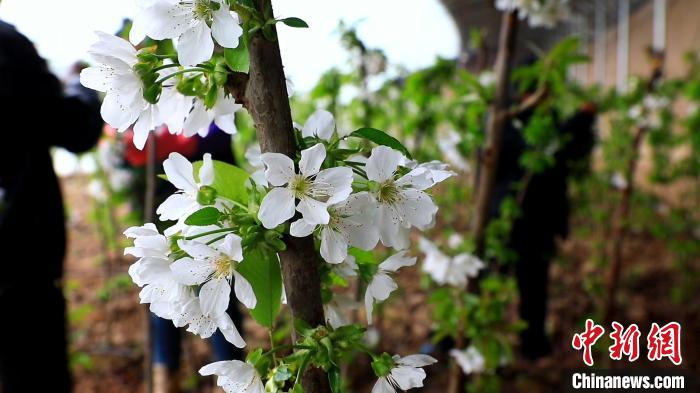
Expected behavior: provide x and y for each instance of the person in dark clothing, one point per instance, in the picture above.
(544, 216)
(36, 116)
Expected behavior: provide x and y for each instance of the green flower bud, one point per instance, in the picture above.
(382, 365)
(206, 195)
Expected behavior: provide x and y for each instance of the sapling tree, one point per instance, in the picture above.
(285, 235)
(500, 112)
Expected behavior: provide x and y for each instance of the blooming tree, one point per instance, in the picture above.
(316, 191)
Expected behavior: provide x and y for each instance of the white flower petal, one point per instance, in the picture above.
(320, 124)
(313, 211)
(418, 360)
(340, 181)
(190, 271)
(175, 207)
(408, 377)
(231, 246)
(225, 28)
(180, 172)
(279, 169)
(244, 291)
(312, 159)
(397, 261)
(197, 250)
(214, 296)
(383, 386)
(382, 163)
(334, 246)
(228, 329)
(301, 228)
(195, 45)
(167, 19)
(276, 208)
(206, 172)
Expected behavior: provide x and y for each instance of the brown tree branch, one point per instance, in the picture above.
(265, 97)
(499, 114)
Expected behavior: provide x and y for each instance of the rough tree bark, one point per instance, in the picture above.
(267, 101)
(499, 113)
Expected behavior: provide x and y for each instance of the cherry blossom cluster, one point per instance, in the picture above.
(225, 223)
(188, 272)
(144, 89)
(539, 13)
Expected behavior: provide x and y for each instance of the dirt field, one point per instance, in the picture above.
(108, 335)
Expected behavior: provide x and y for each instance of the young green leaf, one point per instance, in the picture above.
(229, 181)
(203, 217)
(381, 138)
(238, 59)
(261, 268)
(294, 22)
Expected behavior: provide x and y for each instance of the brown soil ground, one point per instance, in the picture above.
(108, 336)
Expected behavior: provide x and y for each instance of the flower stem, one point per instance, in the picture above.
(174, 74)
(164, 66)
(208, 233)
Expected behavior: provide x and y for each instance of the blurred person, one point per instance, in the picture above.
(166, 348)
(37, 115)
(544, 214)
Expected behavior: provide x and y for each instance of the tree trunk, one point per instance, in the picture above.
(489, 162)
(268, 104)
(497, 119)
(620, 230)
(621, 223)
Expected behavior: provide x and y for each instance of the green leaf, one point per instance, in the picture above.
(238, 59)
(203, 217)
(335, 380)
(229, 181)
(261, 268)
(294, 22)
(381, 138)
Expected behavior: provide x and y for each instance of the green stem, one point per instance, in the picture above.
(304, 363)
(242, 206)
(208, 233)
(174, 74)
(217, 239)
(283, 347)
(164, 66)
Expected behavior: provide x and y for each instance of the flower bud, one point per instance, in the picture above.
(206, 195)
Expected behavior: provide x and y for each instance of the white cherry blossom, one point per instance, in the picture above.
(400, 203)
(214, 269)
(192, 23)
(470, 360)
(545, 13)
(234, 376)
(113, 74)
(252, 155)
(382, 285)
(314, 189)
(180, 173)
(204, 324)
(350, 224)
(222, 114)
(407, 373)
(444, 269)
(320, 124)
(151, 271)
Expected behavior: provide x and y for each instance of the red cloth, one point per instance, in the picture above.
(166, 143)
